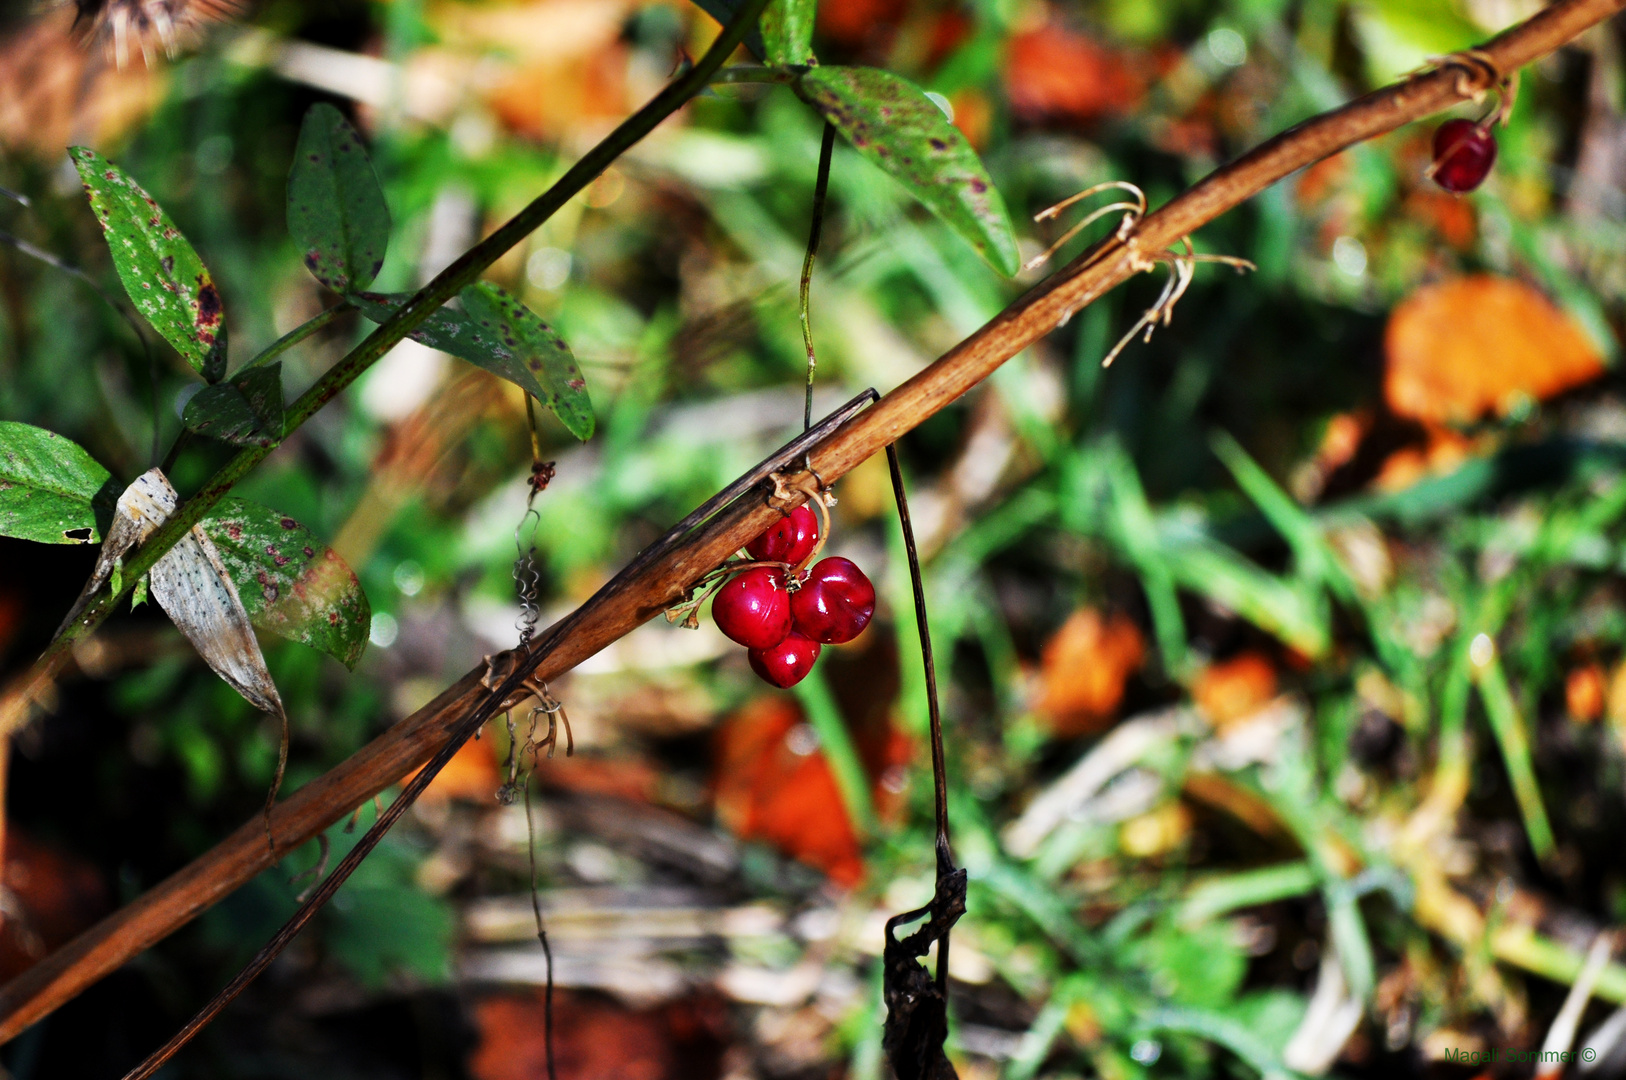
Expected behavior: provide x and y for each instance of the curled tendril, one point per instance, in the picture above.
(1133, 212)
(1182, 267)
(527, 578)
(1182, 264)
(1478, 76)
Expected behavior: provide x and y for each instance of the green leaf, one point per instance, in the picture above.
(51, 490)
(496, 331)
(336, 210)
(247, 411)
(291, 583)
(787, 31)
(166, 280)
(893, 123)
(724, 11)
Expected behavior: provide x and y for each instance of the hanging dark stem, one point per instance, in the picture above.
(917, 1004)
(945, 861)
(821, 187)
(541, 935)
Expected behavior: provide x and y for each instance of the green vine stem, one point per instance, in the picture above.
(821, 188)
(753, 73)
(425, 302)
(296, 335)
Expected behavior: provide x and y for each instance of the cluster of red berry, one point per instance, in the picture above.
(784, 618)
(1464, 152)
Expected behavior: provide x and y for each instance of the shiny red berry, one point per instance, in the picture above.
(835, 603)
(786, 663)
(1463, 155)
(753, 608)
(790, 540)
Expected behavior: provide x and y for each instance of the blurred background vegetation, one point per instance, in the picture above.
(1281, 660)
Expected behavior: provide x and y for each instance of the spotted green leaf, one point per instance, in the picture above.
(893, 123)
(787, 31)
(496, 331)
(246, 411)
(336, 210)
(51, 490)
(166, 280)
(291, 583)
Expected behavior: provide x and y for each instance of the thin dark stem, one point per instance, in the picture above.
(296, 335)
(541, 935)
(945, 857)
(407, 318)
(821, 187)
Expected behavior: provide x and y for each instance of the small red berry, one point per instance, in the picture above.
(786, 663)
(790, 540)
(835, 603)
(753, 609)
(1463, 155)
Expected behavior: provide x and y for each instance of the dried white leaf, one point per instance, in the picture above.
(191, 584)
(145, 505)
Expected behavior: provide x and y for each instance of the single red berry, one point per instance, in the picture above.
(789, 540)
(1463, 155)
(835, 603)
(786, 663)
(754, 608)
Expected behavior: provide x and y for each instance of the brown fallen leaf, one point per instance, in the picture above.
(1083, 670)
(1469, 346)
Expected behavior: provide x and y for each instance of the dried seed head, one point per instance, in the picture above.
(149, 25)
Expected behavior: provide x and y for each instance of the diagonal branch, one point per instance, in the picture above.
(657, 581)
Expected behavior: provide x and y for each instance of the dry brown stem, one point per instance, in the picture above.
(407, 745)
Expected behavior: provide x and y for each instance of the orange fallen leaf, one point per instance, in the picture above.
(1586, 692)
(949, 30)
(1055, 75)
(546, 101)
(630, 778)
(973, 115)
(1320, 180)
(1473, 345)
(597, 1038)
(56, 895)
(1443, 451)
(471, 774)
(1083, 670)
(1236, 688)
(771, 784)
(1452, 217)
(860, 24)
